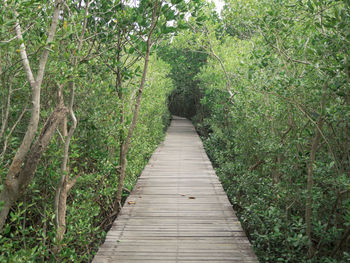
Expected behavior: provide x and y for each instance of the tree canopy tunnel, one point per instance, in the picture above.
(185, 64)
(182, 102)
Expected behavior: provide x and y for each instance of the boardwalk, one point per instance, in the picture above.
(178, 211)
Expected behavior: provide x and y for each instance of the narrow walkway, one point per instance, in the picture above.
(178, 210)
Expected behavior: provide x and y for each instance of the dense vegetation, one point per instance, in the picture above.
(274, 117)
(85, 88)
(82, 93)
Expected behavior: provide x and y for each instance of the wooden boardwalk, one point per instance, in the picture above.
(178, 210)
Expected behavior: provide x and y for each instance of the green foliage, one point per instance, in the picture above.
(30, 231)
(283, 59)
(185, 65)
(286, 64)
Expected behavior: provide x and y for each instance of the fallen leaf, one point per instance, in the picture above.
(131, 202)
(191, 197)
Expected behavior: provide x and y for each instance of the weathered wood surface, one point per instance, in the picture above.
(178, 210)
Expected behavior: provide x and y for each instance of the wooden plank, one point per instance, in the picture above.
(178, 211)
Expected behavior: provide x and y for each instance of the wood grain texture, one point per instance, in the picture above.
(178, 211)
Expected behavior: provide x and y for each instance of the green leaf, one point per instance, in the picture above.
(131, 50)
(310, 5)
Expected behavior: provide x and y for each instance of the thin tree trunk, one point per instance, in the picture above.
(119, 90)
(16, 179)
(313, 151)
(61, 214)
(62, 209)
(228, 80)
(64, 129)
(123, 164)
(125, 146)
(65, 183)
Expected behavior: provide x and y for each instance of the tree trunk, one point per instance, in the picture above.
(61, 209)
(122, 157)
(61, 215)
(123, 164)
(313, 151)
(65, 184)
(126, 144)
(63, 128)
(15, 186)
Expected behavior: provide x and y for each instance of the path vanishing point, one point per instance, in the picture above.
(178, 210)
